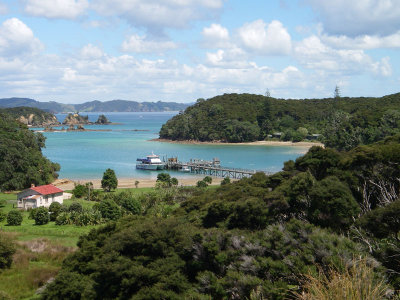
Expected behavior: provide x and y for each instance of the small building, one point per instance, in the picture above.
(314, 136)
(37, 196)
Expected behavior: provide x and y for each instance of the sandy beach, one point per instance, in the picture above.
(257, 143)
(67, 184)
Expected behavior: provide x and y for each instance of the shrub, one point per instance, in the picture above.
(109, 209)
(7, 250)
(132, 205)
(54, 209)
(79, 191)
(201, 184)
(41, 216)
(3, 216)
(226, 180)
(174, 181)
(207, 179)
(75, 206)
(14, 218)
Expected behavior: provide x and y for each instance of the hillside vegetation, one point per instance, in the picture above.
(31, 116)
(21, 160)
(328, 213)
(343, 123)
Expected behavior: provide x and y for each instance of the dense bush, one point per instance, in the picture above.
(54, 209)
(109, 181)
(109, 209)
(21, 159)
(79, 191)
(41, 216)
(3, 216)
(7, 250)
(75, 207)
(14, 218)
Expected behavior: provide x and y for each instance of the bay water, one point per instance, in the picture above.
(86, 155)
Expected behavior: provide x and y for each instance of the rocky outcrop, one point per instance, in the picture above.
(38, 120)
(76, 119)
(102, 120)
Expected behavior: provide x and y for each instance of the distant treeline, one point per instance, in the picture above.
(342, 123)
(95, 106)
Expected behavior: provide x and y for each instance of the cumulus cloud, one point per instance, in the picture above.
(90, 51)
(229, 58)
(361, 17)
(156, 15)
(56, 9)
(216, 36)
(16, 38)
(265, 39)
(140, 44)
(314, 54)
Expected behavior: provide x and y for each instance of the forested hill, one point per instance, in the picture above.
(342, 122)
(21, 159)
(31, 116)
(95, 106)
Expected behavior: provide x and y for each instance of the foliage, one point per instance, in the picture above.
(41, 216)
(21, 159)
(7, 250)
(207, 179)
(3, 216)
(14, 218)
(109, 209)
(79, 190)
(75, 207)
(201, 184)
(342, 122)
(54, 210)
(226, 180)
(358, 281)
(174, 181)
(109, 181)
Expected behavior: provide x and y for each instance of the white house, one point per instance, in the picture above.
(37, 196)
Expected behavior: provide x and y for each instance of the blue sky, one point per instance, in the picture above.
(181, 50)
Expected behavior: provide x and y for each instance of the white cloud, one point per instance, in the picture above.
(16, 38)
(216, 36)
(139, 44)
(265, 39)
(229, 58)
(361, 17)
(312, 53)
(90, 51)
(56, 9)
(156, 15)
(362, 42)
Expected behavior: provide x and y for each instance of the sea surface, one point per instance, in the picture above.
(86, 155)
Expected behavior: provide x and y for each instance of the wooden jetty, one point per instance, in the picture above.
(211, 168)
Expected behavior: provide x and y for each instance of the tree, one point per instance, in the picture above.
(207, 179)
(225, 181)
(109, 209)
(109, 181)
(54, 209)
(136, 183)
(164, 179)
(336, 94)
(174, 181)
(75, 206)
(79, 190)
(41, 216)
(14, 218)
(7, 250)
(201, 184)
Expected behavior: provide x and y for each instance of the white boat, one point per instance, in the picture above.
(151, 162)
(184, 168)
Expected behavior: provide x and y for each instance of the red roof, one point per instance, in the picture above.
(46, 189)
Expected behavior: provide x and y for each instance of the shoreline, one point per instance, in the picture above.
(124, 183)
(256, 143)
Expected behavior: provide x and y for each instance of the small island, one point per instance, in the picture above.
(102, 120)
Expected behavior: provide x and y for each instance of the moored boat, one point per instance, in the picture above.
(151, 162)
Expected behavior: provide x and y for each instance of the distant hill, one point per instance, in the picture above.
(341, 122)
(95, 106)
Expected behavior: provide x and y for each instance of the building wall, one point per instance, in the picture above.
(43, 200)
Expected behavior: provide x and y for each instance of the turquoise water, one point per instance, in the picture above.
(86, 155)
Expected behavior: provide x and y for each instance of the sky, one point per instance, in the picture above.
(73, 51)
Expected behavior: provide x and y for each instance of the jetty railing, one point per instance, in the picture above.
(208, 168)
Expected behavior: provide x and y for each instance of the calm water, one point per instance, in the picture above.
(86, 155)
